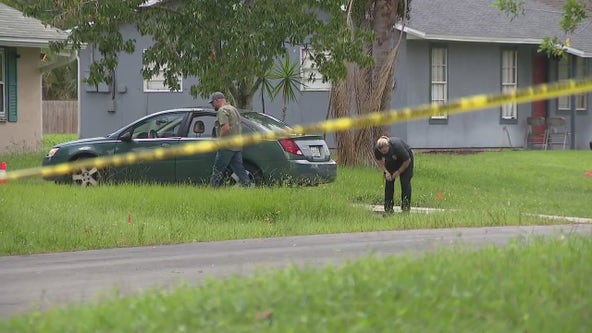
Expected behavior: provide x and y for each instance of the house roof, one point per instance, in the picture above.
(479, 21)
(19, 30)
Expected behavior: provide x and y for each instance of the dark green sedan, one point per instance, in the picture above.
(297, 159)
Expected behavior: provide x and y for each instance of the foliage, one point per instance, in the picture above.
(574, 12)
(287, 76)
(266, 87)
(512, 8)
(228, 45)
(18, 4)
(59, 83)
(553, 47)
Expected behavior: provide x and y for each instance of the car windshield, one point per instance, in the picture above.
(266, 122)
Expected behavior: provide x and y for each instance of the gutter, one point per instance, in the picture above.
(413, 34)
(577, 52)
(23, 42)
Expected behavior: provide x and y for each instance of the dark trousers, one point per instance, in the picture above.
(389, 190)
(234, 159)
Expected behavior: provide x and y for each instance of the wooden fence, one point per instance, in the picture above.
(60, 117)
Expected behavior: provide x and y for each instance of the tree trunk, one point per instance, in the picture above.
(368, 90)
(242, 97)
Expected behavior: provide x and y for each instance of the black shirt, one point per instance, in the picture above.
(399, 152)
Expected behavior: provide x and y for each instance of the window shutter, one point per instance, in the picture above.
(11, 84)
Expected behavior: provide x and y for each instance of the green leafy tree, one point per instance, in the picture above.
(229, 45)
(574, 12)
(232, 45)
(60, 83)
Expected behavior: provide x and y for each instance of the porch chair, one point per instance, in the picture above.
(536, 133)
(556, 133)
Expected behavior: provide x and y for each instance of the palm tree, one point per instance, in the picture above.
(288, 76)
(266, 85)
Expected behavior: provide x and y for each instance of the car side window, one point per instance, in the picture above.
(201, 126)
(160, 126)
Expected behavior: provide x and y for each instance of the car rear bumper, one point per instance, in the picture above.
(305, 172)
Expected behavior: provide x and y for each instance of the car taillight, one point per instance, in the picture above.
(290, 146)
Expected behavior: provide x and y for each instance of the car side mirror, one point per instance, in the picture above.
(126, 136)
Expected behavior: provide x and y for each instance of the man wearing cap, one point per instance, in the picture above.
(395, 158)
(228, 124)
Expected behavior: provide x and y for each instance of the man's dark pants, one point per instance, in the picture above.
(223, 159)
(389, 190)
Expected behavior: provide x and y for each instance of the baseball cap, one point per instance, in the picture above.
(215, 96)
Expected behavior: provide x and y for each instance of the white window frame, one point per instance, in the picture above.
(563, 70)
(156, 83)
(509, 81)
(309, 69)
(439, 78)
(3, 113)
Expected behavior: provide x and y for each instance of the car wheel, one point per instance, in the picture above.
(84, 177)
(253, 172)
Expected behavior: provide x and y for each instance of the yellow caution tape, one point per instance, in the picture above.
(380, 118)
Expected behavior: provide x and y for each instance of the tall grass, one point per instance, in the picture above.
(485, 189)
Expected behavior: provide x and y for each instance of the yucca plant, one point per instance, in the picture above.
(288, 80)
(266, 88)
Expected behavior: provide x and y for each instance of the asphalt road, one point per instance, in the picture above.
(45, 280)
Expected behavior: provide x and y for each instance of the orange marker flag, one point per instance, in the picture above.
(3, 179)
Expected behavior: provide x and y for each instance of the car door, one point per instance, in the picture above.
(197, 168)
(160, 131)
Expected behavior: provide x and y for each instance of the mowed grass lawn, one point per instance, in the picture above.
(535, 286)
